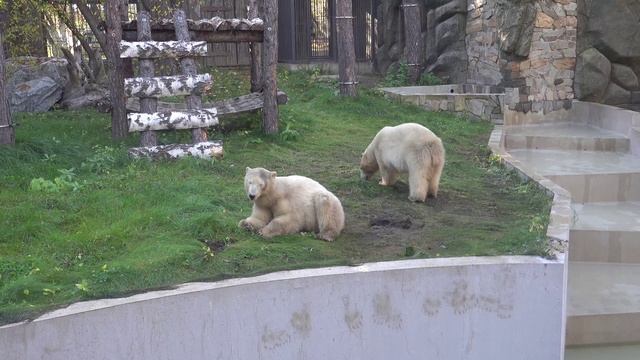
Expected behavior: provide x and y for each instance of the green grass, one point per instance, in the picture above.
(113, 226)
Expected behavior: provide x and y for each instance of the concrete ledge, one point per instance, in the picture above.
(457, 308)
(561, 215)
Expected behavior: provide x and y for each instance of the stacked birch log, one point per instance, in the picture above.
(148, 88)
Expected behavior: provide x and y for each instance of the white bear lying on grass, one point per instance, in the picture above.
(291, 204)
(406, 148)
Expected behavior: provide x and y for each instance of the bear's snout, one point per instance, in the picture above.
(251, 196)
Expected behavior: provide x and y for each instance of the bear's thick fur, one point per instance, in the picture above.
(406, 148)
(291, 204)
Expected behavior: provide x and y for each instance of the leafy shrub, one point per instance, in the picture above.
(66, 181)
(102, 160)
(429, 79)
(398, 75)
(289, 134)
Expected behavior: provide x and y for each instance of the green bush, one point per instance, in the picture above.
(398, 75)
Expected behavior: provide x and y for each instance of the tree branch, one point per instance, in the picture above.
(94, 24)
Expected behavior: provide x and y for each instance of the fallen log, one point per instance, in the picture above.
(161, 49)
(167, 85)
(173, 120)
(203, 150)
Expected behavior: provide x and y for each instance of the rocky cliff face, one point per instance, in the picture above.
(608, 63)
(443, 33)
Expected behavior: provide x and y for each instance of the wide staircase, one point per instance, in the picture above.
(595, 165)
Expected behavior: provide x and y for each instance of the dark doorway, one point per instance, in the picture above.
(306, 31)
(320, 29)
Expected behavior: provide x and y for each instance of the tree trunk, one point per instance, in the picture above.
(161, 86)
(147, 70)
(255, 49)
(204, 150)
(413, 36)
(346, 48)
(173, 120)
(188, 65)
(119, 126)
(7, 133)
(270, 68)
(160, 49)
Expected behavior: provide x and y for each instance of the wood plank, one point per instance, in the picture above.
(346, 50)
(270, 69)
(173, 120)
(188, 66)
(230, 36)
(160, 86)
(203, 150)
(213, 24)
(147, 70)
(161, 49)
(244, 103)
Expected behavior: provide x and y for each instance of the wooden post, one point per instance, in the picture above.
(255, 50)
(270, 68)
(346, 48)
(413, 36)
(147, 69)
(7, 133)
(127, 64)
(188, 65)
(119, 126)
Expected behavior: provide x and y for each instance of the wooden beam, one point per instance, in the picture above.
(203, 150)
(240, 104)
(177, 85)
(228, 36)
(346, 48)
(212, 25)
(413, 35)
(270, 68)
(255, 50)
(160, 49)
(173, 120)
(116, 69)
(147, 70)
(188, 65)
(7, 132)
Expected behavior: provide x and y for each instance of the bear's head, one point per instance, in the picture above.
(368, 165)
(256, 181)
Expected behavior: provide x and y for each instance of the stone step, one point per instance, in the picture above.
(603, 305)
(590, 176)
(606, 232)
(615, 352)
(565, 136)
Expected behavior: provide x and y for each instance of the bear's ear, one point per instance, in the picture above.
(273, 174)
(248, 169)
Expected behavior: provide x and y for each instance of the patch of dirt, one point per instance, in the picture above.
(391, 221)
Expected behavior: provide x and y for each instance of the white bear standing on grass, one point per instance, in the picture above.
(406, 148)
(291, 204)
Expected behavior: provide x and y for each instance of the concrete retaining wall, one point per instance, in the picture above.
(459, 308)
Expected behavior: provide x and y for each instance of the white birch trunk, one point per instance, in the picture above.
(173, 120)
(160, 49)
(203, 150)
(178, 85)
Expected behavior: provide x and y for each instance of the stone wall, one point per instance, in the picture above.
(527, 45)
(608, 63)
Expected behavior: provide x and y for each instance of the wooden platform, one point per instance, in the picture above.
(215, 29)
(244, 103)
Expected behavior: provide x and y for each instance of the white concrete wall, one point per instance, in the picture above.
(465, 308)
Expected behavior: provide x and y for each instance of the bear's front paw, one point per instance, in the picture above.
(245, 225)
(416, 199)
(265, 233)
